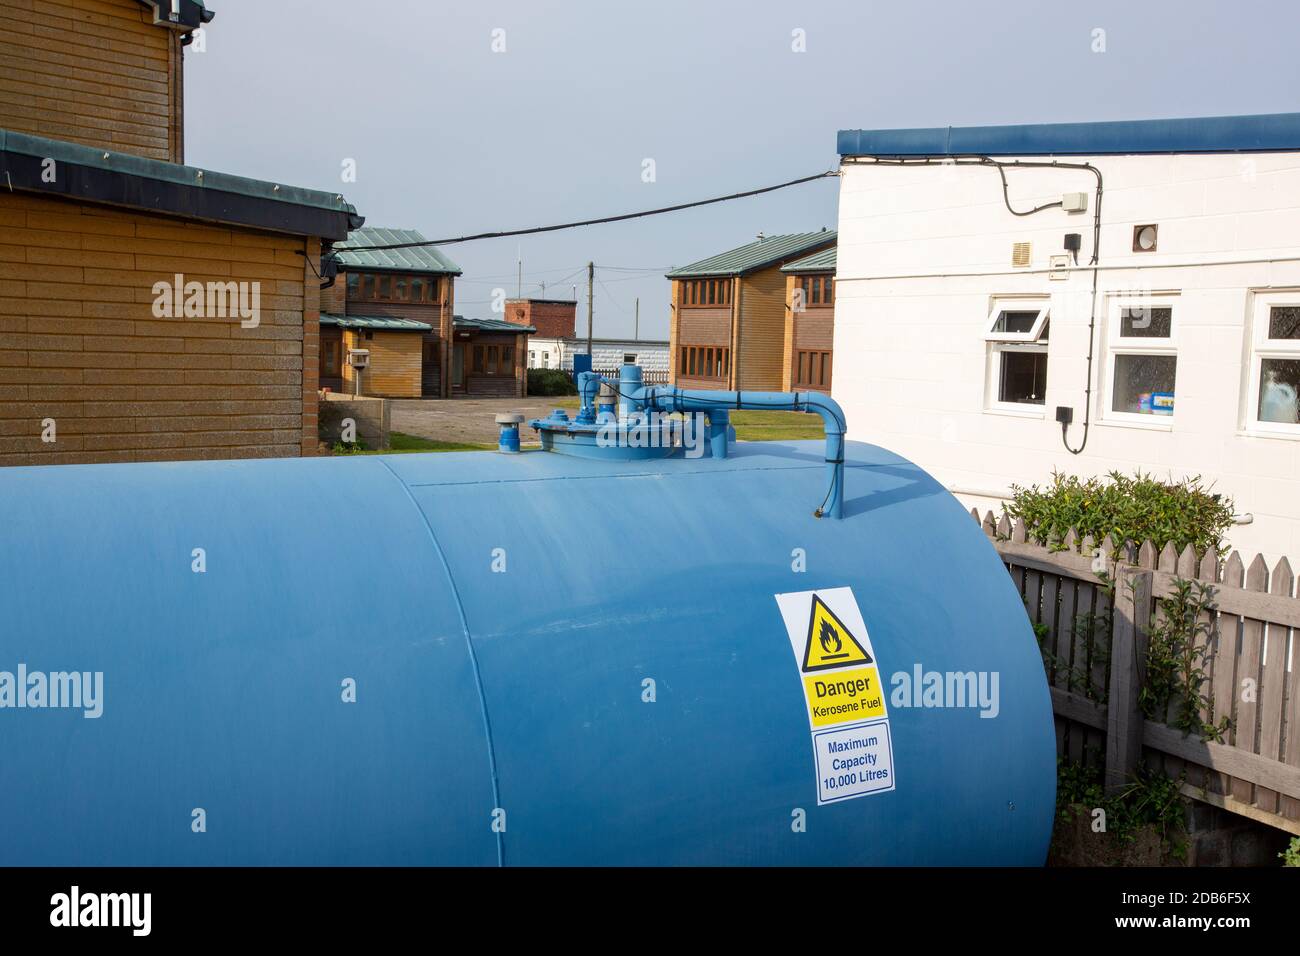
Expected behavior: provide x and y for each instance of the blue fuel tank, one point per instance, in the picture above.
(521, 659)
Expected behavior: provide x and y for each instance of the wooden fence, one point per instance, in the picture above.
(1095, 640)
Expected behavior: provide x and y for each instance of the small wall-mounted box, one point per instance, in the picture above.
(359, 358)
(1075, 202)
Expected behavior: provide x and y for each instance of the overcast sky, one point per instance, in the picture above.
(450, 137)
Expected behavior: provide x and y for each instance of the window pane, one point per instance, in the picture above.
(491, 360)
(478, 358)
(1148, 323)
(1144, 384)
(507, 359)
(367, 287)
(1284, 322)
(1017, 321)
(399, 288)
(417, 289)
(826, 369)
(829, 291)
(802, 375)
(1279, 386)
(1023, 379)
(384, 287)
(354, 282)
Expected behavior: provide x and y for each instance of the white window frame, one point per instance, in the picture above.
(1017, 305)
(1262, 347)
(1000, 343)
(1117, 344)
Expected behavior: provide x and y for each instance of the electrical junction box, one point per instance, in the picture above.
(1075, 202)
(1060, 267)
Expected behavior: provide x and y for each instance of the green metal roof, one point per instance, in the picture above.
(491, 325)
(123, 179)
(353, 255)
(374, 322)
(823, 261)
(757, 255)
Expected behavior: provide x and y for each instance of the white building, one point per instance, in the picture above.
(607, 354)
(963, 330)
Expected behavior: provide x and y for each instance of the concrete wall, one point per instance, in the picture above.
(923, 251)
(373, 418)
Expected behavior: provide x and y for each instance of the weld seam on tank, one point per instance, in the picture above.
(469, 644)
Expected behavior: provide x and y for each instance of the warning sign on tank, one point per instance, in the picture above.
(840, 675)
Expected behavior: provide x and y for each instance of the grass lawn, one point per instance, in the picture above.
(776, 426)
(402, 443)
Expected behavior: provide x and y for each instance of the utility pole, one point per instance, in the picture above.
(519, 289)
(636, 322)
(591, 280)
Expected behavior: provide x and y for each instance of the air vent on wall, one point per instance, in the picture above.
(1020, 254)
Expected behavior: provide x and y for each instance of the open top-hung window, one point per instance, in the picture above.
(1274, 399)
(1143, 360)
(1017, 334)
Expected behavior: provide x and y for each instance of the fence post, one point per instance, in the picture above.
(1133, 607)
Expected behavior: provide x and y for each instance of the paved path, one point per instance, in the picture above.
(468, 419)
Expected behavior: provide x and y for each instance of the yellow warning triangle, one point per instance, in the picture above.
(829, 642)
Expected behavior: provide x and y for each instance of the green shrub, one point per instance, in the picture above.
(1291, 856)
(550, 381)
(1134, 508)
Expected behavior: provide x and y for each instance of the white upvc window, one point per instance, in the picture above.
(1017, 334)
(1142, 359)
(1273, 402)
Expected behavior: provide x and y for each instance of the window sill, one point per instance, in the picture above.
(1014, 412)
(1269, 433)
(1161, 426)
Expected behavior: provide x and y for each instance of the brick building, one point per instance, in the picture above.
(552, 318)
(730, 314)
(148, 310)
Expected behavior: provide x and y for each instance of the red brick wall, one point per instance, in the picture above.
(552, 319)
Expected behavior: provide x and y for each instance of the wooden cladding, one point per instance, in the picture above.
(704, 362)
(706, 292)
(391, 287)
(817, 291)
(95, 72)
(812, 370)
(80, 343)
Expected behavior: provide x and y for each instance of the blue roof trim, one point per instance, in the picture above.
(1272, 132)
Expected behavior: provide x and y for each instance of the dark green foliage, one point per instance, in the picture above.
(1175, 662)
(550, 381)
(1135, 508)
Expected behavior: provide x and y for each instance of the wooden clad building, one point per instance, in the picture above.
(414, 285)
(99, 72)
(809, 322)
(148, 310)
(728, 324)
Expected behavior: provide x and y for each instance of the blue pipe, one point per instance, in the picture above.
(719, 404)
(669, 399)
